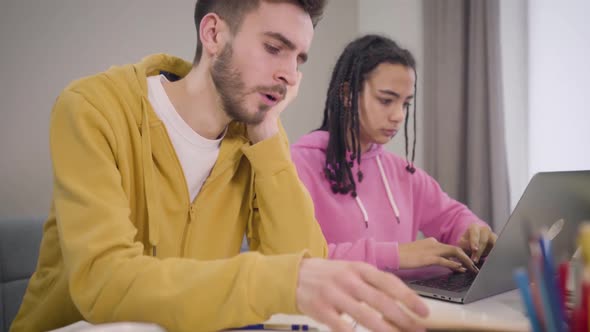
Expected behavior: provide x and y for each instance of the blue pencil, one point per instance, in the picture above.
(522, 281)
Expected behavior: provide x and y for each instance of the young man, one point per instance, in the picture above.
(162, 166)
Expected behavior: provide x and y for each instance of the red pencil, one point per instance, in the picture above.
(562, 279)
(585, 306)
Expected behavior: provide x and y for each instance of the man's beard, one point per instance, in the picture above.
(232, 90)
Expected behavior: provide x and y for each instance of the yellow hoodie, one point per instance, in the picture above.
(124, 243)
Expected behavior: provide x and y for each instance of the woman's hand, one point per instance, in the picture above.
(478, 240)
(431, 252)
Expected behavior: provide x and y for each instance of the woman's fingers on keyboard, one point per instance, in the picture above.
(459, 254)
(449, 263)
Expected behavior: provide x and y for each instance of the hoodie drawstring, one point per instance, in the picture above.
(389, 196)
(362, 207)
(148, 180)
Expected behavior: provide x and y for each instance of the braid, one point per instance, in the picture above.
(415, 123)
(342, 104)
(341, 113)
(406, 140)
(410, 164)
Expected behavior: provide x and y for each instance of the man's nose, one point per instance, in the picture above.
(287, 73)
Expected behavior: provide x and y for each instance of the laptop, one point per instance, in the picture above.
(557, 201)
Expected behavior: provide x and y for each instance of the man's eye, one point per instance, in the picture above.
(271, 49)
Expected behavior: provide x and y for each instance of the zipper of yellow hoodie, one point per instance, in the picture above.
(191, 209)
(191, 216)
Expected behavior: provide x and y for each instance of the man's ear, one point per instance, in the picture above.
(214, 33)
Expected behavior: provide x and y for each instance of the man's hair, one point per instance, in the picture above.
(234, 11)
(341, 114)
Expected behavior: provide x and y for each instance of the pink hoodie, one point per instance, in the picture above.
(416, 199)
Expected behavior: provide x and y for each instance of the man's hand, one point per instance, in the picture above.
(377, 300)
(269, 126)
(478, 240)
(431, 252)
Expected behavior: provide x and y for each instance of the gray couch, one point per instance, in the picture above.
(19, 250)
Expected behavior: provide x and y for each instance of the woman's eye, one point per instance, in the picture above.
(385, 101)
(407, 105)
(271, 49)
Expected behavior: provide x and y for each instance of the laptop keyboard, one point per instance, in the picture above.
(455, 282)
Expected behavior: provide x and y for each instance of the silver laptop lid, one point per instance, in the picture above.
(551, 198)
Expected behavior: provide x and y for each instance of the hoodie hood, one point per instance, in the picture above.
(131, 82)
(133, 78)
(318, 140)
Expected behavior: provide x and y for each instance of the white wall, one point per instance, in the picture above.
(559, 76)
(514, 44)
(401, 20)
(545, 52)
(337, 28)
(46, 44)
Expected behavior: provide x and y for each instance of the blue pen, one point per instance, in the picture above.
(522, 281)
(276, 327)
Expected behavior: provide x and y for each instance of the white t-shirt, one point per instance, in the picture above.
(197, 154)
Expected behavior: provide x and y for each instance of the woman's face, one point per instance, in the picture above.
(385, 97)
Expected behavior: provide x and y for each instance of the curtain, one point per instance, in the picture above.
(465, 147)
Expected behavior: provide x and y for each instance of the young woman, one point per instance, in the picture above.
(371, 203)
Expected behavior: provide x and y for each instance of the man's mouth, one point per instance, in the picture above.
(269, 99)
(273, 96)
